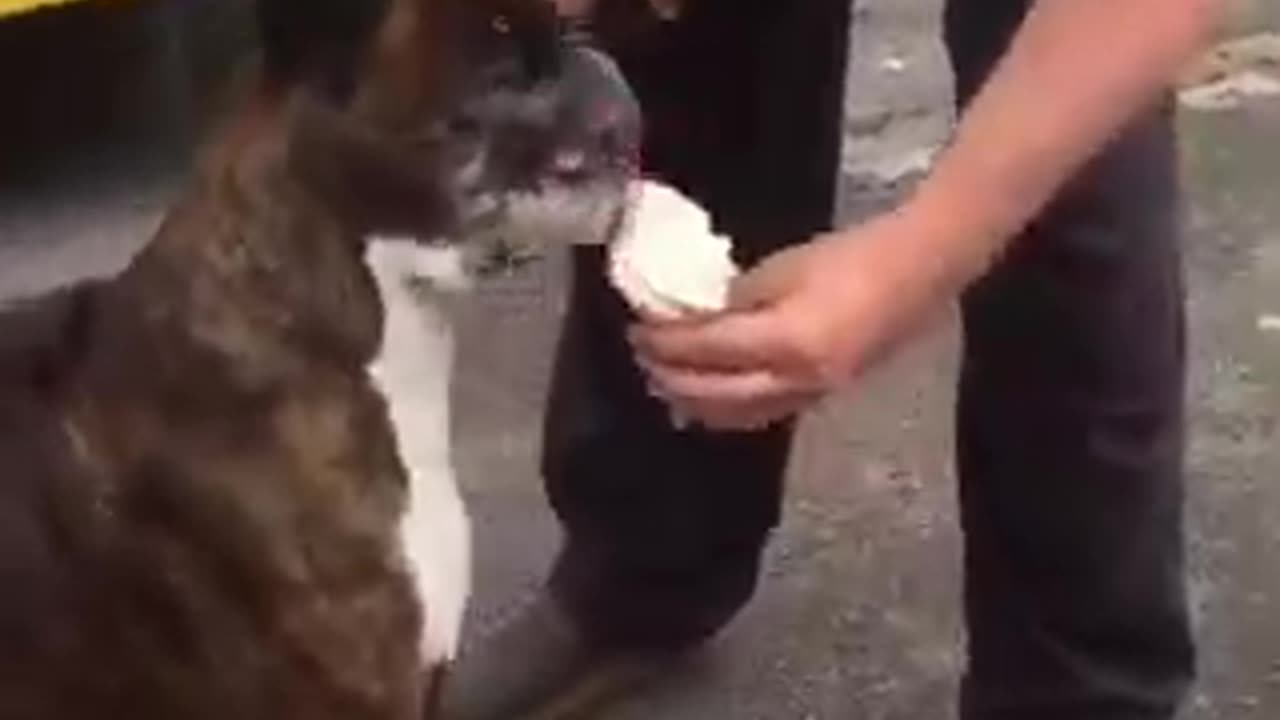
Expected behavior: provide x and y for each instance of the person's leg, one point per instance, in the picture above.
(664, 529)
(1070, 440)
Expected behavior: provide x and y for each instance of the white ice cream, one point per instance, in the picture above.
(668, 262)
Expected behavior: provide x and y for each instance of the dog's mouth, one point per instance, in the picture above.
(522, 226)
(568, 188)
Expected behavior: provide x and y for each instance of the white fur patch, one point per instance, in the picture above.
(413, 372)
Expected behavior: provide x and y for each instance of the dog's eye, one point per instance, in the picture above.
(518, 43)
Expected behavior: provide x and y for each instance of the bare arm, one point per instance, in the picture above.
(812, 317)
(1075, 74)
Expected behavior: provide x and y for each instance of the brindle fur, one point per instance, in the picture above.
(200, 493)
(221, 516)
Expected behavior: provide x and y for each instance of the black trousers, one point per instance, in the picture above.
(1070, 418)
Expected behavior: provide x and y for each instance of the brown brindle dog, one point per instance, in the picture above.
(218, 498)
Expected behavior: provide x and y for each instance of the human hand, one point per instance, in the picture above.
(804, 322)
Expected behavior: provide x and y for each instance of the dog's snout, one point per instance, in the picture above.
(607, 109)
(617, 135)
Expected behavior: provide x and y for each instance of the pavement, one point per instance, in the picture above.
(857, 616)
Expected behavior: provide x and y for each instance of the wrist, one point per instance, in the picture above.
(960, 227)
(890, 287)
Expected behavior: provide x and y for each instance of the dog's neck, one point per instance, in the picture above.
(252, 273)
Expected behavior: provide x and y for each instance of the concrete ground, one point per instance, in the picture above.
(857, 615)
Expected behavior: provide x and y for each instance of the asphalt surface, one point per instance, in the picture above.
(857, 616)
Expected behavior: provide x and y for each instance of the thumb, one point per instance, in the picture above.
(767, 283)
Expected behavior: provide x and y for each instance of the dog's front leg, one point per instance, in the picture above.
(414, 371)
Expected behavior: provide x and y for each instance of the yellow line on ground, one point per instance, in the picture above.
(17, 7)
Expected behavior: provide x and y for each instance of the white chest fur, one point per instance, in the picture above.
(413, 372)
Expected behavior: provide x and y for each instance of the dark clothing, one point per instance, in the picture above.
(1071, 394)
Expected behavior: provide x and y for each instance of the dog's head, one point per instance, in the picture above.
(471, 121)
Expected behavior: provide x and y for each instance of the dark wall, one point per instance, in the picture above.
(102, 81)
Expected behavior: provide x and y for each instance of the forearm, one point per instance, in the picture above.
(1075, 74)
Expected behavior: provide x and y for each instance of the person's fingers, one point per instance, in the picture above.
(730, 401)
(666, 318)
(767, 283)
(731, 342)
(728, 388)
(755, 417)
(757, 414)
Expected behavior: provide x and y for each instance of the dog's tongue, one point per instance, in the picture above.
(668, 262)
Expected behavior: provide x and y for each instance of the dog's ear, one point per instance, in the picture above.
(317, 41)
